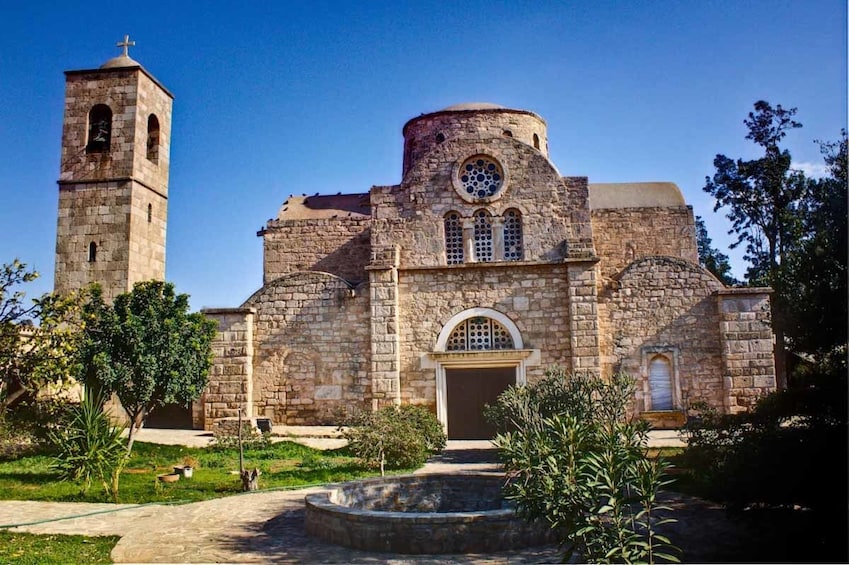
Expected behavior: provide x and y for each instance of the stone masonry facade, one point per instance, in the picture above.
(480, 269)
(484, 258)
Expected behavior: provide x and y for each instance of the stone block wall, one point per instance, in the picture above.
(132, 95)
(311, 349)
(94, 213)
(147, 228)
(425, 133)
(534, 297)
(385, 316)
(583, 317)
(340, 246)
(555, 214)
(748, 360)
(152, 99)
(663, 304)
(230, 386)
(623, 235)
(114, 216)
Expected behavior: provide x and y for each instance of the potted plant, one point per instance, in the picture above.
(187, 467)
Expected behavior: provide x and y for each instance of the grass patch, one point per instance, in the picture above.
(31, 549)
(283, 464)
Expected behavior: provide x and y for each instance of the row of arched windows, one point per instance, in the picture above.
(100, 132)
(483, 237)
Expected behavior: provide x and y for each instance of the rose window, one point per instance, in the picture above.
(481, 177)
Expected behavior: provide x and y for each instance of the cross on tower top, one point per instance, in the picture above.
(126, 44)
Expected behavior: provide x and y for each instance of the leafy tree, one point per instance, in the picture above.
(147, 349)
(37, 341)
(732, 458)
(712, 259)
(763, 197)
(815, 272)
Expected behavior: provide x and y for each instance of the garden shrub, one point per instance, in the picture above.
(395, 437)
(89, 447)
(575, 460)
(789, 452)
(252, 440)
(26, 427)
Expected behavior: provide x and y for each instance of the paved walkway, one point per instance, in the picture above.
(329, 437)
(260, 527)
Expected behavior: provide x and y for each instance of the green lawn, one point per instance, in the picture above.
(283, 464)
(31, 549)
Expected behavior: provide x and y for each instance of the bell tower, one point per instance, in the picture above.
(113, 181)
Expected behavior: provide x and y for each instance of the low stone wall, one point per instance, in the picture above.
(415, 514)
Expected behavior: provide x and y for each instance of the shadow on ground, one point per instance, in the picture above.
(284, 540)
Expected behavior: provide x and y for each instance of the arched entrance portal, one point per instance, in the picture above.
(479, 353)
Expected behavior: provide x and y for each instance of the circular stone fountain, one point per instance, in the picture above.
(437, 513)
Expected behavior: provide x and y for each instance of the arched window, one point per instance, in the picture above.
(483, 236)
(536, 141)
(453, 238)
(149, 213)
(99, 129)
(92, 252)
(507, 133)
(660, 383)
(479, 334)
(512, 235)
(440, 137)
(153, 138)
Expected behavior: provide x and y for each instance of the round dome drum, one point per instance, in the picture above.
(475, 120)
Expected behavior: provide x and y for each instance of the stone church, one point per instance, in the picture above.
(480, 269)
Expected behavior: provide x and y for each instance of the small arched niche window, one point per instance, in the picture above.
(153, 138)
(92, 252)
(483, 236)
(513, 235)
(453, 238)
(536, 141)
(479, 334)
(149, 213)
(660, 383)
(440, 137)
(99, 129)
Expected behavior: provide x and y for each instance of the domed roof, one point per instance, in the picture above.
(119, 62)
(473, 106)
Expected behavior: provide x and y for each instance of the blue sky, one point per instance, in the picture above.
(280, 98)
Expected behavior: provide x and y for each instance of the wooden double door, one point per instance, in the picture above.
(467, 392)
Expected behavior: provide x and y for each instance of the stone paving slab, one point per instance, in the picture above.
(74, 518)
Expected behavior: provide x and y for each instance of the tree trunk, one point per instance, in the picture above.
(136, 423)
(12, 397)
(250, 480)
